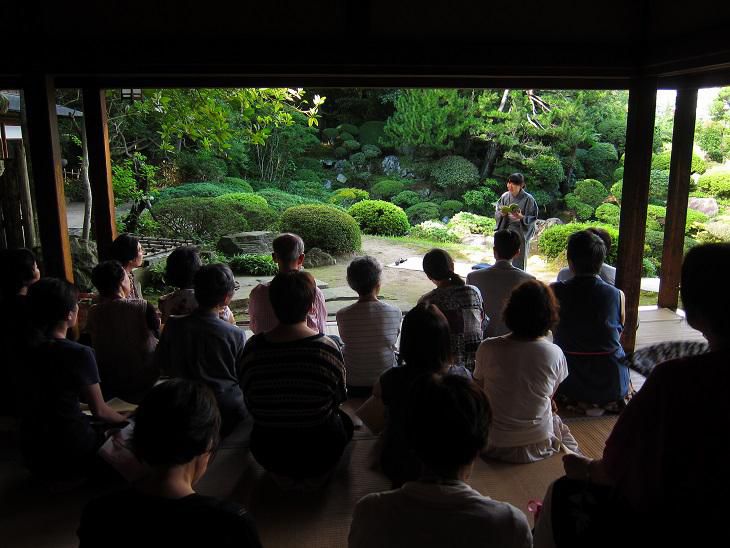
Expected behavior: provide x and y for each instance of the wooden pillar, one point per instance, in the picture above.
(679, 172)
(26, 202)
(45, 158)
(634, 200)
(10, 203)
(100, 170)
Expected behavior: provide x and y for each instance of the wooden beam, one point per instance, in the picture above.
(100, 170)
(635, 199)
(679, 172)
(45, 157)
(26, 201)
(10, 202)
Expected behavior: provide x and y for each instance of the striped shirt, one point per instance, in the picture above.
(262, 314)
(370, 331)
(297, 384)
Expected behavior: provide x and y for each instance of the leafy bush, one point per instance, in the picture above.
(547, 171)
(609, 214)
(583, 211)
(406, 199)
(663, 160)
(713, 139)
(351, 145)
(386, 189)
(433, 231)
(554, 240)
(423, 211)
(543, 198)
(330, 134)
(345, 136)
(345, 197)
(198, 219)
(654, 245)
(371, 132)
(618, 174)
(254, 208)
(481, 200)
(617, 190)
(308, 189)
(591, 192)
(455, 174)
(253, 264)
(358, 159)
(379, 217)
(205, 189)
(304, 174)
(600, 161)
(449, 208)
(465, 223)
(323, 226)
(370, 151)
(340, 152)
(648, 268)
(349, 128)
(694, 223)
(658, 185)
(236, 184)
(719, 229)
(717, 183)
(655, 216)
(280, 201)
(73, 189)
(201, 166)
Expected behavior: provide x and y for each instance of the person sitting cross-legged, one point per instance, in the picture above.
(288, 255)
(446, 426)
(496, 282)
(175, 434)
(369, 328)
(202, 346)
(293, 381)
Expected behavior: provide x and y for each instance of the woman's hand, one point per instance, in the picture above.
(516, 216)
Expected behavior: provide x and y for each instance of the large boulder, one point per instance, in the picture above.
(259, 241)
(85, 257)
(708, 206)
(316, 257)
(391, 165)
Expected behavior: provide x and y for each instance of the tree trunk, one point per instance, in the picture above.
(84, 176)
(565, 185)
(490, 158)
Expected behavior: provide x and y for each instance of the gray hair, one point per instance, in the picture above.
(288, 247)
(363, 274)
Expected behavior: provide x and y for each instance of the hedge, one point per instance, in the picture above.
(433, 231)
(371, 132)
(717, 183)
(591, 192)
(481, 200)
(205, 189)
(199, 219)
(663, 160)
(345, 197)
(406, 199)
(423, 211)
(254, 208)
(455, 173)
(323, 226)
(307, 189)
(465, 223)
(609, 214)
(253, 264)
(554, 240)
(449, 208)
(380, 217)
(386, 189)
(280, 201)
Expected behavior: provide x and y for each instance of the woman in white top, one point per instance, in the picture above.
(520, 373)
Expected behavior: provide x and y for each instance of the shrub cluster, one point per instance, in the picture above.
(591, 192)
(307, 189)
(481, 200)
(663, 160)
(449, 208)
(406, 199)
(554, 240)
(280, 201)
(323, 226)
(205, 189)
(455, 174)
(252, 207)
(434, 231)
(253, 264)
(716, 183)
(386, 189)
(608, 213)
(465, 223)
(345, 197)
(380, 217)
(199, 219)
(423, 211)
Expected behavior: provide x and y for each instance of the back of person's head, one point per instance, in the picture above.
(439, 266)
(506, 244)
(605, 237)
(181, 266)
(50, 301)
(18, 271)
(706, 299)
(586, 252)
(363, 274)
(447, 421)
(107, 277)
(292, 295)
(176, 421)
(517, 178)
(213, 284)
(531, 310)
(288, 248)
(124, 248)
(425, 342)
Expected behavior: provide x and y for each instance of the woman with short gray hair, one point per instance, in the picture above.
(369, 328)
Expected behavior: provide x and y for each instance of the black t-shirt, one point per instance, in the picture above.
(130, 518)
(15, 338)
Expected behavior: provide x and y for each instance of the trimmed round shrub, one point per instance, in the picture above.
(280, 201)
(618, 174)
(717, 183)
(655, 216)
(455, 173)
(547, 171)
(434, 231)
(449, 208)
(236, 184)
(340, 152)
(583, 211)
(308, 189)
(358, 159)
(346, 136)
(608, 213)
(554, 240)
(379, 217)
(253, 264)
(658, 185)
(481, 200)
(617, 190)
(254, 208)
(543, 198)
(349, 128)
(371, 132)
(304, 174)
(423, 211)
(591, 192)
(695, 222)
(351, 145)
(323, 226)
(600, 161)
(192, 190)
(198, 219)
(345, 197)
(386, 189)
(330, 134)
(663, 160)
(406, 199)
(370, 151)
(465, 223)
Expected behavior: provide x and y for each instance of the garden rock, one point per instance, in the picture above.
(327, 184)
(341, 165)
(391, 165)
(85, 258)
(708, 206)
(543, 224)
(259, 241)
(316, 257)
(341, 178)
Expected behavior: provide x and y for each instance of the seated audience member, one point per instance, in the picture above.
(673, 493)
(446, 426)
(175, 434)
(202, 346)
(293, 381)
(369, 328)
(607, 272)
(289, 256)
(127, 250)
(589, 329)
(123, 333)
(425, 349)
(495, 283)
(180, 269)
(58, 440)
(520, 373)
(18, 272)
(460, 303)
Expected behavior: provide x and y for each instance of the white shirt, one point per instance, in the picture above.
(437, 515)
(519, 378)
(369, 330)
(607, 274)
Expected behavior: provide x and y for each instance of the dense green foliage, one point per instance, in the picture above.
(406, 199)
(280, 201)
(434, 231)
(323, 226)
(554, 240)
(465, 223)
(662, 161)
(717, 183)
(449, 208)
(386, 189)
(423, 211)
(205, 189)
(380, 217)
(608, 214)
(252, 207)
(481, 200)
(345, 197)
(455, 174)
(253, 264)
(591, 192)
(199, 219)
